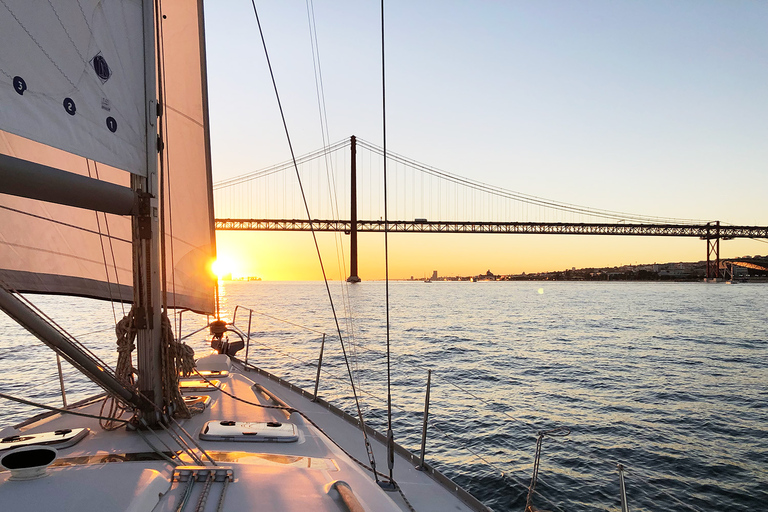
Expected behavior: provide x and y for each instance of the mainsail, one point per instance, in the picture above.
(72, 97)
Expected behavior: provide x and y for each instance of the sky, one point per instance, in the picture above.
(651, 107)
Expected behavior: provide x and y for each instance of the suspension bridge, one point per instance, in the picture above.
(427, 200)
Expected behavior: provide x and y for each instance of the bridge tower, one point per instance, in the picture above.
(353, 277)
(713, 249)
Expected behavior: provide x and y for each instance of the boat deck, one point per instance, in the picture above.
(266, 458)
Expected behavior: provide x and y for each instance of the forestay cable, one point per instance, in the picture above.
(317, 245)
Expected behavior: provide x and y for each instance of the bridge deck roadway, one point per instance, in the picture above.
(703, 231)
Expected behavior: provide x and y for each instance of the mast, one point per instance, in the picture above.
(146, 244)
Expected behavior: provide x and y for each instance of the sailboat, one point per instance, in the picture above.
(105, 192)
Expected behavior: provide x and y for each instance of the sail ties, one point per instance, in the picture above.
(177, 359)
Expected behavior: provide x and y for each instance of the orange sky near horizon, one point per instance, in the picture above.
(291, 256)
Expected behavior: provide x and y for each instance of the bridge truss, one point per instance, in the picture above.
(712, 232)
(704, 231)
(630, 225)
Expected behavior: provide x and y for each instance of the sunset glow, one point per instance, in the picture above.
(222, 267)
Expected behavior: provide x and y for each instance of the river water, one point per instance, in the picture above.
(668, 379)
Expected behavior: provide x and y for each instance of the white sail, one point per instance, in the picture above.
(50, 248)
(187, 157)
(72, 77)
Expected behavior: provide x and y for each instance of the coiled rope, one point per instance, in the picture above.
(177, 358)
(115, 408)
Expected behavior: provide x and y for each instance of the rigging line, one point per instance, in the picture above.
(73, 226)
(180, 441)
(504, 474)
(111, 246)
(162, 153)
(82, 348)
(103, 253)
(57, 409)
(574, 445)
(287, 322)
(155, 449)
(493, 407)
(390, 434)
(316, 65)
(323, 115)
(166, 153)
(62, 411)
(314, 237)
(112, 251)
(661, 490)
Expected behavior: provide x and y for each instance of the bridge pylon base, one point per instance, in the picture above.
(353, 279)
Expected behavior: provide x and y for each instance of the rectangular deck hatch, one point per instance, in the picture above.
(251, 432)
(59, 439)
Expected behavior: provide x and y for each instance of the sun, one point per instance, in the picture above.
(221, 267)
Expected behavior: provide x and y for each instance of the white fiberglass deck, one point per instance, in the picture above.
(118, 470)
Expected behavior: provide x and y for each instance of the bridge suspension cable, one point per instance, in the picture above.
(283, 166)
(525, 198)
(432, 199)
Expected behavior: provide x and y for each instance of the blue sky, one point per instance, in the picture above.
(651, 107)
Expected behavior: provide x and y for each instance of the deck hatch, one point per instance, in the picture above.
(254, 432)
(63, 438)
